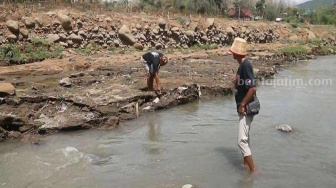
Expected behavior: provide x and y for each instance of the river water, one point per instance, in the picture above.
(196, 144)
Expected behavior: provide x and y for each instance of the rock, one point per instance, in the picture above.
(116, 43)
(146, 108)
(294, 38)
(108, 19)
(75, 38)
(175, 29)
(14, 134)
(284, 128)
(190, 34)
(126, 36)
(12, 37)
(77, 74)
(24, 32)
(162, 23)
(79, 24)
(64, 44)
(95, 29)
(143, 37)
(82, 34)
(158, 46)
(29, 22)
(138, 26)
(13, 26)
(112, 33)
(311, 35)
(7, 89)
(111, 122)
(55, 23)
(187, 186)
(65, 82)
(205, 38)
(155, 31)
(229, 30)
(53, 37)
(210, 22)
(62, 36)
(156, 100)
(65, 21)
(38, 21)
(138, 46)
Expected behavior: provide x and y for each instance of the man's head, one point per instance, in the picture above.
(238, 49)
(163, 60)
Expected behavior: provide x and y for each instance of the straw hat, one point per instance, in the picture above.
(239, 47)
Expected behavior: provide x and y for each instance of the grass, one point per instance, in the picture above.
(89, 49)
(205, 46)
(294, 50)
(37, 50)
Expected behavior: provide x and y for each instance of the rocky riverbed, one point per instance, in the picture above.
(101, 89)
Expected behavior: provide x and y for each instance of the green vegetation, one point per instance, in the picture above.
(205, 46)
(326, 16)
(37, 50)
(294, 50)
(316, 4)
(89, 49)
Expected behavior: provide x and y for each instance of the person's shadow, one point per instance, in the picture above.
(235, 159)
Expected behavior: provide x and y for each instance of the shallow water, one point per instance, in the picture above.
(196, 144)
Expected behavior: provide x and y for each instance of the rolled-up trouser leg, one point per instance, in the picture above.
(243, 134)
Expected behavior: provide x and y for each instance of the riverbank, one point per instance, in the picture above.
(104, 91)
(98, 83)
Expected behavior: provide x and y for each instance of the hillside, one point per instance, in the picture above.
(314, 4)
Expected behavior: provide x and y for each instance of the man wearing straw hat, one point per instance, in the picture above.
(245, 90)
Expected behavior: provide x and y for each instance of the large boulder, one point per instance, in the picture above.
(65, 21)
(126, 36)
(230, 31)
(75, 38)
(162, 23)
(53, 37)
(12, 37)
(7, 89)
(190, 34)
(29, 22)
(13, 26)
(24, 32)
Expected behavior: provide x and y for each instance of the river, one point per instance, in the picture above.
(196, 143)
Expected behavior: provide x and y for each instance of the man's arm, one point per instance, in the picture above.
(251, 91)
(248, 96)
(157, 80)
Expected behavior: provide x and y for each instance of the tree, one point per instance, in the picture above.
(260, 6)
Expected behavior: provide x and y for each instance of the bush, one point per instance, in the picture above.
(38, 50)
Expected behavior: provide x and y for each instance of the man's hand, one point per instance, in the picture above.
(241, 110)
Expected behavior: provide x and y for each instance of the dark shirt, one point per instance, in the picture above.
(153, 61)
(244, 80)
